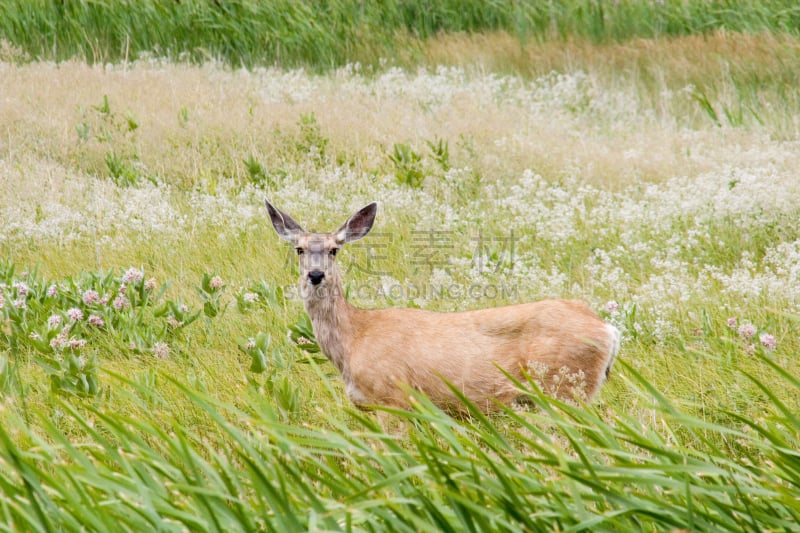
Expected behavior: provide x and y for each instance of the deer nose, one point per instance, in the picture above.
(315, 276)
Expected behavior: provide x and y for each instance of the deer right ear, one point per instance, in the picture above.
(284, 225)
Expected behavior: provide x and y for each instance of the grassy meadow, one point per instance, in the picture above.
(157, 369)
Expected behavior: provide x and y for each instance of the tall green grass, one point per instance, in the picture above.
(560, 467)
(335, 32)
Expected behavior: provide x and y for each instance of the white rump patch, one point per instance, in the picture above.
(614, 337)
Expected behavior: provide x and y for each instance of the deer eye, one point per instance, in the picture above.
(333, 251)
(299, 250)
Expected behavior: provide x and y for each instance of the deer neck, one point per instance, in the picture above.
(330, 315)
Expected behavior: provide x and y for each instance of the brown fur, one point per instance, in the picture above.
(562, 343)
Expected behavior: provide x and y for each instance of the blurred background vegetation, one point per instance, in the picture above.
(330, 33)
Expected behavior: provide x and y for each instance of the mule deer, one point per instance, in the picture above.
(380, 352)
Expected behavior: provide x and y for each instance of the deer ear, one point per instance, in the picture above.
(284, 225)
(358, 225)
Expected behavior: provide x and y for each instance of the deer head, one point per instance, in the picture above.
(317, 251)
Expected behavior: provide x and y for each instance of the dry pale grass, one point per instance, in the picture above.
(680, 60)
(633, 104)
(752, 74)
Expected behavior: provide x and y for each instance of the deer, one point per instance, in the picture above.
(384, 354)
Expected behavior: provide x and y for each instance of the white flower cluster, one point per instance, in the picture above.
(83, 207)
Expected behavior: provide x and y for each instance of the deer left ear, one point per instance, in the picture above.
(358, 225)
